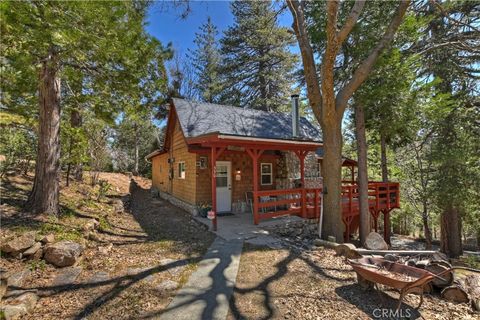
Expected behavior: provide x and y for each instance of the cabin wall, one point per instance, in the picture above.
(160, 172)
(183, 189)
(242, 162)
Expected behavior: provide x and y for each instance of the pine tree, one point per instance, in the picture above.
(206, 61)
(257, 65)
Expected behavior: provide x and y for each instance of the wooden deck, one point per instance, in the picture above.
(306, 203)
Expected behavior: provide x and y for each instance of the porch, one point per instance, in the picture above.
(275, 201)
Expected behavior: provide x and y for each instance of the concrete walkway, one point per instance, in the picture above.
(240, 226)
(207, 293)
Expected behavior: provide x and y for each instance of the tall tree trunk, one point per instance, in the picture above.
(44, 197)
(362, 172)
(383, 152)
(332, 181)
(426, 228)
(450, 233)
(76, 121)
(135, 169)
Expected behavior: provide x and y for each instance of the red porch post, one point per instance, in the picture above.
(215, 153)
(255, 154)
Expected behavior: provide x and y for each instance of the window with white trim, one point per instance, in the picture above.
(266, 174)
(181, 170)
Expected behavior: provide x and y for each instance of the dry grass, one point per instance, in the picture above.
(283, 284)
(150, 231)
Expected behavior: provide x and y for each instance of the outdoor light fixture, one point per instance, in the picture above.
(238, 174)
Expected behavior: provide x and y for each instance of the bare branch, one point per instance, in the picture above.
(448, 16)
(351, 21)
(361, 74)
(309, 67)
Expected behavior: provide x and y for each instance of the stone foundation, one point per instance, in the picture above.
(175, 201)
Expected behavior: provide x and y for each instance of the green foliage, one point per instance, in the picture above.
(35, 265)
(206, 62)
(104, 224)
(61, 232)
(107, 64)
(17, 145)
(257, 66)
(103, 188)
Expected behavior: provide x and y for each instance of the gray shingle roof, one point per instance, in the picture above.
(198, 118)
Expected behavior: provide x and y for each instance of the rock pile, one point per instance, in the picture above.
(24, 246)
(32, 246)
(18, 301)
(297, 230)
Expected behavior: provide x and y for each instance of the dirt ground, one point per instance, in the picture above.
(144, 237)
(287, 284)
(153, 241)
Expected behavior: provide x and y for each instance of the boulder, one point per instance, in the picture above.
(11, 312)
(21, 306)
(19, 244)
(118, 206)
(17, 279)
(3, 287)
(49, 238)
(28, 299)
(63, 253)
(67, 276)
(375, 241)
(91, 224)
(101, 276)
(33, 249)
(37, 255)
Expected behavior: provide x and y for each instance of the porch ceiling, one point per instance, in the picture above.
(222, 140)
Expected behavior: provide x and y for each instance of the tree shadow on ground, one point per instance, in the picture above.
(120, 284)
(155, 226)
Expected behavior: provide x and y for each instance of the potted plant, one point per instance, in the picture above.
(203, 209)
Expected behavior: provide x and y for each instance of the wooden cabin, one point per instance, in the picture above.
(244, 160)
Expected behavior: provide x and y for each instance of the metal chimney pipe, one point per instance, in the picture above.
(295, 116)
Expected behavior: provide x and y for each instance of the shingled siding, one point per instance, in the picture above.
(240, 161)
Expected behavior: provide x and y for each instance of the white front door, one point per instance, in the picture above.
(224, 186)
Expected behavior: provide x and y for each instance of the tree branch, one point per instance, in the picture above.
(361, 74)
(351, 21)
(300, 28)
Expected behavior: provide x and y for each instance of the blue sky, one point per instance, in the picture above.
(166, 25)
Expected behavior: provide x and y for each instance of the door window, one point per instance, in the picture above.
(222, 176)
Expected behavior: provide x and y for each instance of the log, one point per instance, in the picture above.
(456, 294)
(347, 250)
(324, 243)
(472, 284)
(422, 264)
(438, 267)
(397, 252)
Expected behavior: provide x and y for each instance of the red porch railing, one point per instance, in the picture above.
(305, 203)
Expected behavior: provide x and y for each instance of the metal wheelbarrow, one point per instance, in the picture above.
(404, 278)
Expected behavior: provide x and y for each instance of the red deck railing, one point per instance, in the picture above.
(306, 202)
